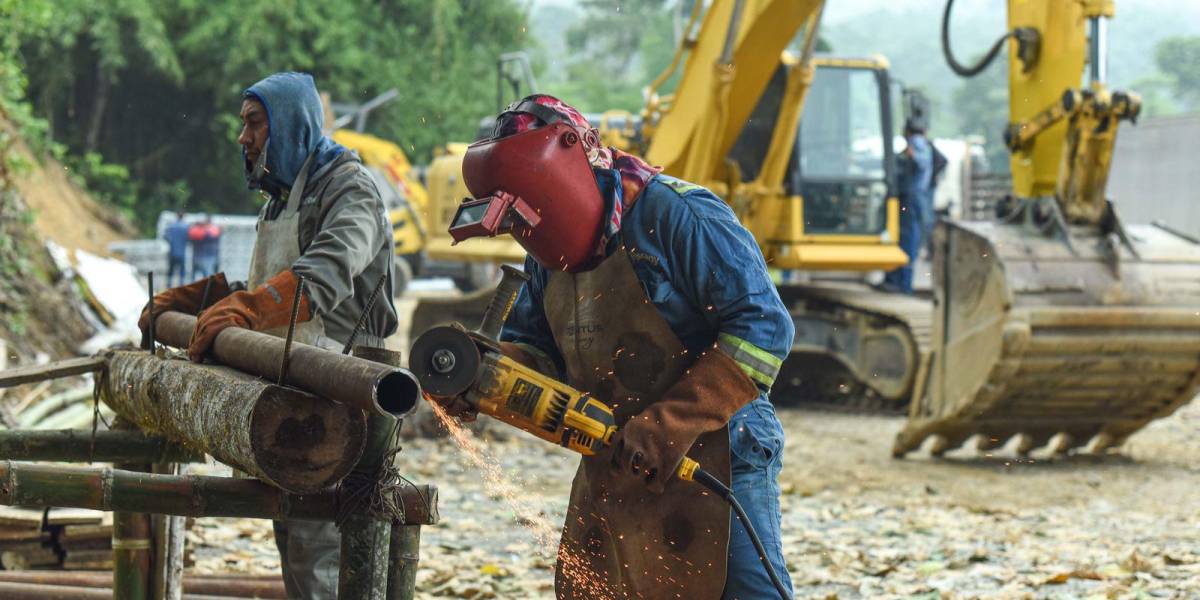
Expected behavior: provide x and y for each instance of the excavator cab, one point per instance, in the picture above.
(838, 207)
(843, 165)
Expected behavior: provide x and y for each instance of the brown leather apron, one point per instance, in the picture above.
(620, 540)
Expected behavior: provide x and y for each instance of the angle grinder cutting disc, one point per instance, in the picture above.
(445, 360)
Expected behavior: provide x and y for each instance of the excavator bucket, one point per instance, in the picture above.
(1073, 336)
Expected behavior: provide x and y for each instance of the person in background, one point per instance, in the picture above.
(916, 194)
(206, 247)
(176, 235)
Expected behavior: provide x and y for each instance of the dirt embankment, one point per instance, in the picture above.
(63, 211)
(39, 307)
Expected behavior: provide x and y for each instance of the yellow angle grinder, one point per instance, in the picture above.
(451, 361)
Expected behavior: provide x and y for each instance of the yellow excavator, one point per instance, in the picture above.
(1054, 319)
(1057, 322)
(818, 198)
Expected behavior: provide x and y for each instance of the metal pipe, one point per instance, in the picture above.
(25, 484)
(79, 445)
(370, 386)
(1098, 50)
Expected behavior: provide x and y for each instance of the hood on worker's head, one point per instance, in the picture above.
(295, 118)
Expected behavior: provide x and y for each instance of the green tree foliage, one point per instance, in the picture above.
(1179, 58)
(617, 48)
(155, 86)
(981, 109)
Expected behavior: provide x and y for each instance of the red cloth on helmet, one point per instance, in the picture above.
(635, 172)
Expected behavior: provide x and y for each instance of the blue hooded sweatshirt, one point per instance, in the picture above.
(295, 118)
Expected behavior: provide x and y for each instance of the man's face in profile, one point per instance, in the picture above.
(255, 130)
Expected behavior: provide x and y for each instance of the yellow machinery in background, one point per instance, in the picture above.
(817, 198)
(818, 193)
(1057, 321)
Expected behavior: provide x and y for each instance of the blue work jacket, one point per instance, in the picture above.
(702, 270)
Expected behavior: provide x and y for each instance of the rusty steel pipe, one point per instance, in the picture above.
(373, 387)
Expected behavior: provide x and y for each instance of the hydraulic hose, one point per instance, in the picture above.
(712, 483)
(957, 67)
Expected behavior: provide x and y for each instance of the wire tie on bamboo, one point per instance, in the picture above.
(376, 493)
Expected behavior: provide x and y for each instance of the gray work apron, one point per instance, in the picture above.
(620, 540)
(308, 550)
(277, 247)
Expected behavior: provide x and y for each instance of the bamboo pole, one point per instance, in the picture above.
(54, 370)
(403, 555)
(131, 546)
(78, 445)
(241, 586)
(169, 576)
(102, 488)
(31, 591)
(289, 438)
(363, 569)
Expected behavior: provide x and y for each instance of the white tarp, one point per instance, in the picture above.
(116, 287)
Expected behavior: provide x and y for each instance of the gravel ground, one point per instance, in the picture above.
(856, 523)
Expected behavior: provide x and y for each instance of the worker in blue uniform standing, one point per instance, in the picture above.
(916, 199)
(648, 293)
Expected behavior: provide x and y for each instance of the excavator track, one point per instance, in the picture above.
(857, 349)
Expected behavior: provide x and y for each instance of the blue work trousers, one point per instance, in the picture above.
(203, 267)
(910, 242)
(756, 450)
(176, 271)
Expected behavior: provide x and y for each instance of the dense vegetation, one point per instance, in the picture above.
(139, 97)
(154, 87)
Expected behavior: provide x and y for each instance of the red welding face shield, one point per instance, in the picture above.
(537, 186)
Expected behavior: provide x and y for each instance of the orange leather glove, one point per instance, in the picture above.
(652, 443)
(266, 307)
(186, 299)
(458, 407)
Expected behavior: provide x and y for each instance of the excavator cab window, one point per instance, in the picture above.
(842, 162)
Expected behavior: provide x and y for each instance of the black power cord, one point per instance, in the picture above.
(707, 480)
(1028, 47)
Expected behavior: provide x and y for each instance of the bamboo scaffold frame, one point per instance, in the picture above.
(378, 511)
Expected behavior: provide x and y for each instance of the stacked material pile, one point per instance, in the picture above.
(24, 541)
(65, 538)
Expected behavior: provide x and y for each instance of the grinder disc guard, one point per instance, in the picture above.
(445, 360)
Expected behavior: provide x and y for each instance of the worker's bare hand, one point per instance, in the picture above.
(454, 406)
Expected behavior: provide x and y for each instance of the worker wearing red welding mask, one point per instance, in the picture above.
(645, 291)
(324, 223)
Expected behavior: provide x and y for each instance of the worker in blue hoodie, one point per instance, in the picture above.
(646, 292)
(324, 223)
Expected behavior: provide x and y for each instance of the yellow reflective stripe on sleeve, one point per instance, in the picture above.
(759, 365)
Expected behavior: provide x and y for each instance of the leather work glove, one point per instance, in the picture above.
(652, 443)
(185, 299)
(459, 408)
(266, 307)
